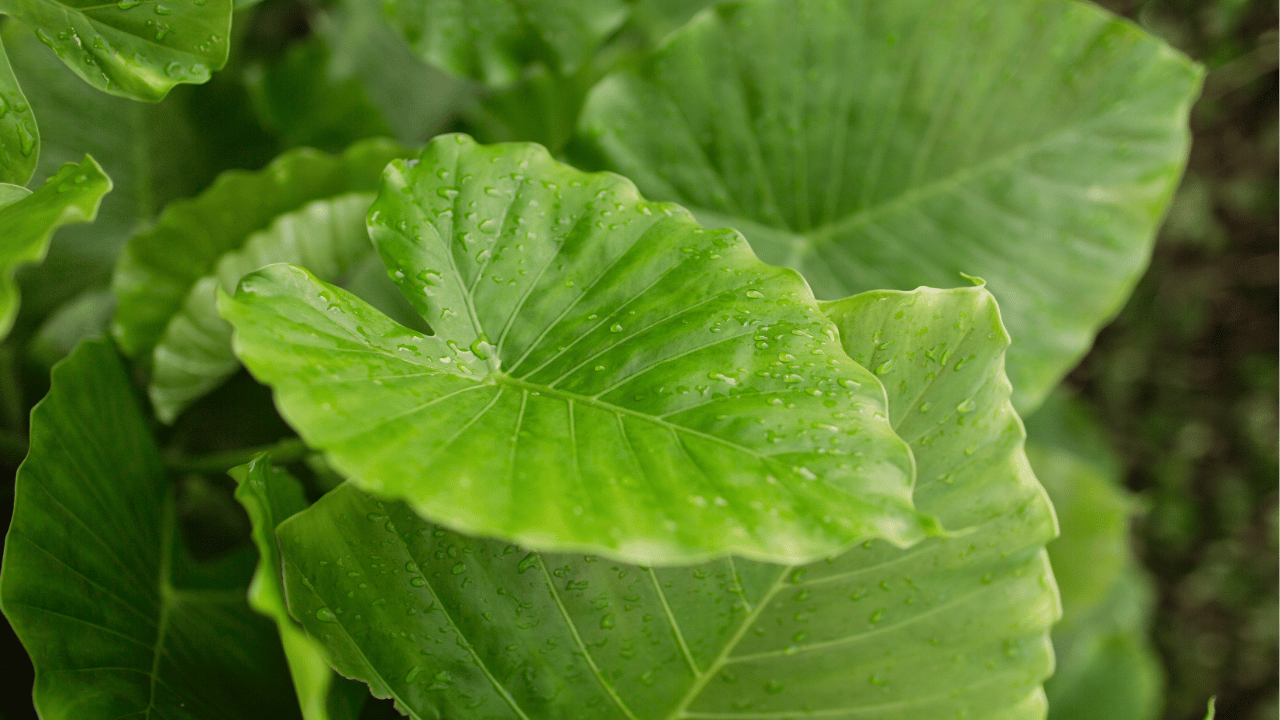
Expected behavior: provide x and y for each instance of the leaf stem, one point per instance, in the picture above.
(284, 451)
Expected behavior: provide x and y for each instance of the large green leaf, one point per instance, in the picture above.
(137, 49)
(19, 136)
(457, 627)
(118, 621)
(492, 40)
(270, 495)
(605, 374)
(28, 220)
(1035, 143)
(159, 268)
(1107, 666)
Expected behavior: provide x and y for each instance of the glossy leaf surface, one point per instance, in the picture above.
(19, 136)
(138, 49)
(118, 621)
(451, 626)
(1035, 143)
(606, 375)
(159, 268)
(29, 219)
(492, 40)
(270, 496)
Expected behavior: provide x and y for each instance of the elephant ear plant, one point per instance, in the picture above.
(667, 424)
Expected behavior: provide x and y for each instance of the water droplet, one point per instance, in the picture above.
(528, 562)
(417, 582)
(616, 328)
(326, 615)
(877, 616)
(797, 575)
(773, 687)
(755, 294)
(606, 621)
(413, 673)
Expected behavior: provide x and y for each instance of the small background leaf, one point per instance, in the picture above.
(158, 268)
(96, 582)
(28, 220)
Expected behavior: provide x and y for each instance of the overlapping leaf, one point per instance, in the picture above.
(452, 626)
(492, 40)
(270, 495)
(604, 375)
(306, 208)
(893, 144)
(137, 49)
(28, 220)
(118, 622)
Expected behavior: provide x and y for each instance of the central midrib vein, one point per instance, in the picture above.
(498, 379)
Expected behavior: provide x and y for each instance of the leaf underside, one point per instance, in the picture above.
(605, 375)
(118, 621)
(1035, 144)
(453, 626)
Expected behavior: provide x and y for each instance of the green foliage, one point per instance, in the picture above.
(950, 626)
(515, 441)
(874, 145)
(96, 581)
(604, 374)
(28, 220)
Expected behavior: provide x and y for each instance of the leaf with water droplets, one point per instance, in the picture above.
(29, 219)
(591, 422)
(493, 40)
(19, 136)
(951, 627)
(138, 50)
(119, 620)
(875, 144)
(306, 207)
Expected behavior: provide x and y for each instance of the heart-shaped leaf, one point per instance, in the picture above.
(118, 621)
(896, 144)
(28, 220)
(137, 49)
(606, 375)
(492, 40)
(452, 626)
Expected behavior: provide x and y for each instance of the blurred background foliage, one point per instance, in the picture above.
(1160, 450)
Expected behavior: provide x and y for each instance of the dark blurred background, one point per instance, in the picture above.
(1184, 380)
